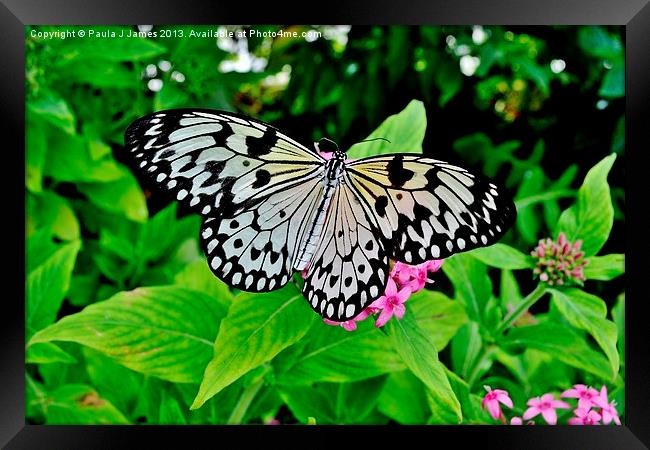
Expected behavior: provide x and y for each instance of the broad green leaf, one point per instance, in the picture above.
(509, 291)
(329, 403)
(49, 210)
(466, 352)
(472, 286)
(588, 312)
(562, 343)
(403, 399)
(597, 41)
(335, 355)
(614, 82)
(35, 154)
(257, 328)
(605, 267)
(47, 353)
(102, 74)
(592, 216)
(618, 314)
(527, 221)
(164, 331)
(77, 404)
(46, 286)
(438, 315)
(50, 107)
(197, 276)
(35, 399)
(170, 411)
(69, 158)
(502, 256)
(111, 47)
(449, 80)
(421, 356)
(117, 384)
(404, 130)
(470, 403)
(122, 196)
(170, 96)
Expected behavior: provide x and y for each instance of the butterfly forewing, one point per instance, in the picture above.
(349, 268)
(428, 209)
(215, 161)
(256, 249)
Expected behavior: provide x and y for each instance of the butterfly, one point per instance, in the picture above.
(272, 206)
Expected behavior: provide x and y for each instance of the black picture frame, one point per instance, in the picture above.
(633, 14)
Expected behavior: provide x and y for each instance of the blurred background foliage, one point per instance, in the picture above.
(533, 107)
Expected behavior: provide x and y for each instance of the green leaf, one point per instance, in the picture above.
(502, 256)
(35, 154)
(329, 403)
(199, 277)
(592, 216)
(122, 196)
(77, 404)
(588, 312)
(531, 186)
(404, 130)
(162, 331)
(438, 315)
(470, 403)
(335, 355)
(101, 74)
(49, 210)
(420, 355)
(618, 314)
(35, 399)
(560, 342)
(509, 290)
(69, 158)
(614, 82)
(170, 411)
(50, 107)
(605, 267)
(472, 286)
(257, 328)
(403, 399)
(111, 48)
(597, 41)
(47, 353)
(46, 286)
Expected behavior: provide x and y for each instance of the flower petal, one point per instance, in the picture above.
(550, 416)
(531, 412)
(384, 317)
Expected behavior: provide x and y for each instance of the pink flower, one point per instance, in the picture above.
(608, 410)
(391, 303)
(546, 406)
(516, 421)
(584, 394)
(415, 277)
(585, 416)
(351, 325)
(492, 400)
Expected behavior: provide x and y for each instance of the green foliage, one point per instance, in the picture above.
(126, 323)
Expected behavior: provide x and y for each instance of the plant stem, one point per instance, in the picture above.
(484, 354)
(239, 411)
(520, 309)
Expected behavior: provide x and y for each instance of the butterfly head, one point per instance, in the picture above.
(329, 148)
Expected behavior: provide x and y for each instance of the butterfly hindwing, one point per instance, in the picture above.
(349, 268)
(428, 209)
(215, 161)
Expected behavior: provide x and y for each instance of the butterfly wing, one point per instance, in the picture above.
(255, 249)
(428, 209)
(349, 267)
(216, 161)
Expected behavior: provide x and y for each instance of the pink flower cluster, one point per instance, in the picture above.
(403, 281)
(547, 404)
(559, 262)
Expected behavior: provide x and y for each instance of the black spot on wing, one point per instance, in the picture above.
(380, 205)
(397, 174)
(260, 146)
(262, 178)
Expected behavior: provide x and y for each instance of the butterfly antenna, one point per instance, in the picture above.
(375, 139)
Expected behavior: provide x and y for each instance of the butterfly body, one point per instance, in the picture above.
(273, 206)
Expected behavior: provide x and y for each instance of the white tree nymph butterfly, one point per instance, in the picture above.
(273, 206)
